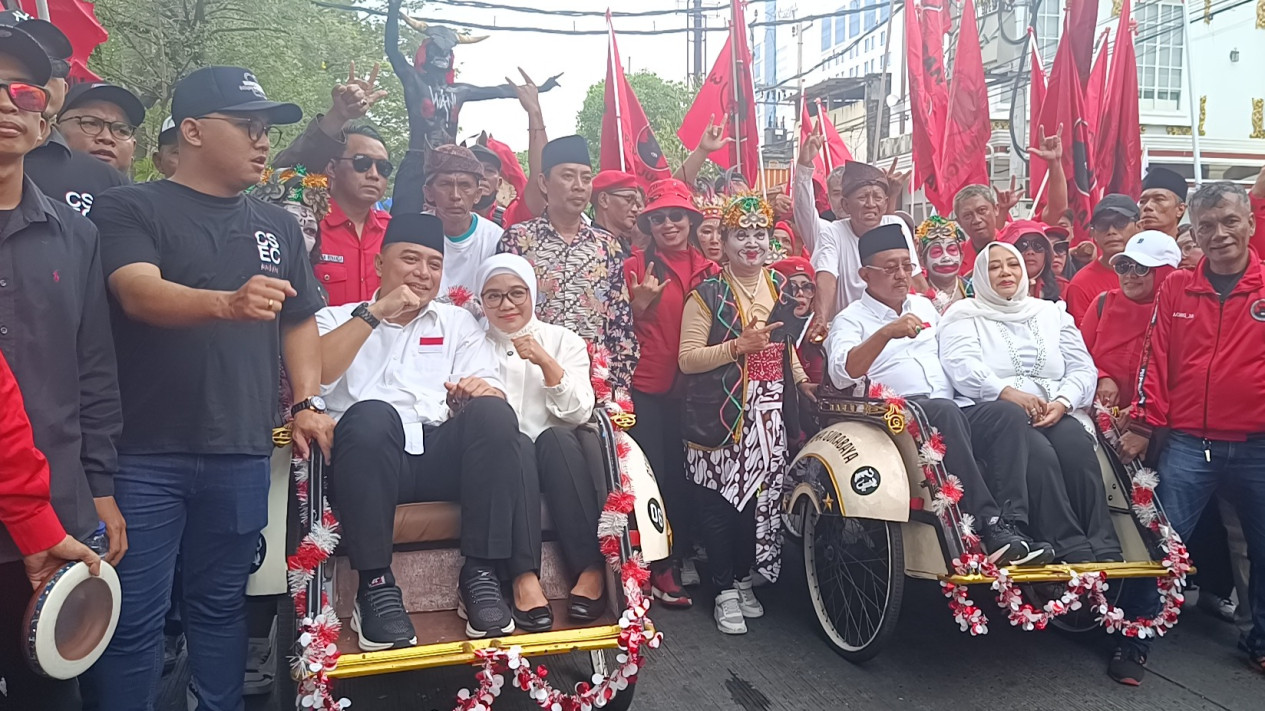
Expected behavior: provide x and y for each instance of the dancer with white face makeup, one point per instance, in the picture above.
(738, 372)
(940, 248)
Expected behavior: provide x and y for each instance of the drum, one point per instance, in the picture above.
(71, 620)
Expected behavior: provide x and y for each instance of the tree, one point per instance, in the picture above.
(665, 103)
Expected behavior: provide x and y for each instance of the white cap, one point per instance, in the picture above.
(1152, 248)
(163, 135)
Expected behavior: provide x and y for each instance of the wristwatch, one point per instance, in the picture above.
(316, 404)
(362, 312)
(1067, 403)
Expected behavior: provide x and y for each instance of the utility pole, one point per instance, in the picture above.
(697, 16)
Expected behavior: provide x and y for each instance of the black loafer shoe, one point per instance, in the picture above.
(582, 609)
(537, 619)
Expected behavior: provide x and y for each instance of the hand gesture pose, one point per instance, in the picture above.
(1006, 201)
(529, 93)
(897, 181)
(647, 290)
(398, 303)
(713, 138)
(259, 299)
(754, 338)
(811, 148)
(354, 99)
(907, 326)
(529, 350)
(1048, 149)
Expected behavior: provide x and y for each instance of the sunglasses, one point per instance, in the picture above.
(361, 163)
(1061, 247)
(1127, 266)
(658, 217)
(27, 97)
(1036, 244)
(795, 288)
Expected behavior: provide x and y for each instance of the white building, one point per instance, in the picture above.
(843, 61)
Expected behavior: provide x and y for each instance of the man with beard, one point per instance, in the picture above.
(1163, 201)
(617, 200)
(1114, 221)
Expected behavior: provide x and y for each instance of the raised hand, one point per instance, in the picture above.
(754, 338)
(528, 92)
(259, 299)
(646, 291)
(402, 300)
(1006, 201)
(529, 349)
(713, 138)
(897, 181)
(353, 99)
(1048, 148)
(811, 147)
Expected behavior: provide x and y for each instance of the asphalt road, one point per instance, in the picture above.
(782, 664)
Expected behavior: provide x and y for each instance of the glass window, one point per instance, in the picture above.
(854, 19)
(826, 35)
(871, 17)
(1160, 54)
(1049, 27)
(841, 27)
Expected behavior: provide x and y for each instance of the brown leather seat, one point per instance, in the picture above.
(437, 521)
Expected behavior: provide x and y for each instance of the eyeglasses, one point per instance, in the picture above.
(361, 163)
(517, 296)
(1036, 244)
(907, 268)
(658, 217)
(27, 97)
(795, 288)
(1126, 266)
(630, 196)
(94, 125)
(256, 128)
(1060, 247)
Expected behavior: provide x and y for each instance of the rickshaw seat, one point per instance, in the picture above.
(438, 521)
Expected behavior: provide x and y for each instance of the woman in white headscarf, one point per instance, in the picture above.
(1006, 345)
(545, 369)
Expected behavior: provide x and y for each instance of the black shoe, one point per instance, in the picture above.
(582, 609)
(380, 620)
(1006, 546)
(173, 645)
(1127, 666)
(537, 619)
(482, 603)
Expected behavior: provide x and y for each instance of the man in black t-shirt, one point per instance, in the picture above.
(210, 287)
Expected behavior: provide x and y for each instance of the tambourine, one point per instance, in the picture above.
(71, 619)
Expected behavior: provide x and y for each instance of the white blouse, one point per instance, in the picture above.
(1044, 356)
(569, 403)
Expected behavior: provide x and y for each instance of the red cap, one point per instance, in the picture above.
(784, 226)
(1018, 228)
(794, 266)
(613, 180)
(1057, 234)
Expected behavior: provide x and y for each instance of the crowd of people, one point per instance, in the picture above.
(444, 351)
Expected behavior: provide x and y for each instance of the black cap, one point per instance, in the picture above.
(1116, 204)
(881, 239)
(228, 89)
(22, 47)
(169, 132)
(486, 155)
(55, 43)
(117, 95)
(568, 149)
(415, 228)
(1166, 179)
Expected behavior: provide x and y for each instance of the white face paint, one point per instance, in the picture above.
(747, 246)
(307, 223)
(943, 258)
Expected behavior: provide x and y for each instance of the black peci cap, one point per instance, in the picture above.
(227, 89)
(117, 95)
(881, 239)
(22, 47)
(1166, 179)
(415, 228)
(568, 149)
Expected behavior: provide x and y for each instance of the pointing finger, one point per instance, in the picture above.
(373, 75)
(525, 77)
(770, 327)
(351, 72)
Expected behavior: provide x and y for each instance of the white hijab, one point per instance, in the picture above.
(519, 267)
(987, 303)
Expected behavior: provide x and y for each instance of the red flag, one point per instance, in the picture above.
(728, 91)
(628, 142)
(511, 169)
(75, 18)
(1118, 143)
(1078, 28)
(1036, 98)
(1064, 107)
(837, 152)
(967, 126)
(1094, 96)
(928, 97)
(820, 170)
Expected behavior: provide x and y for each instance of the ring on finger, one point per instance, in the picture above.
(270, 302)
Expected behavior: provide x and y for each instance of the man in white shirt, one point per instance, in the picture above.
(453, 185)
(888, 335)
(421, 411)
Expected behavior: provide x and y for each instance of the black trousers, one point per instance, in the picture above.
(1073, 515)
(729, 536)
(958, 427)
(26, 689)
(566, 481)
(475, 458)
(659, 434)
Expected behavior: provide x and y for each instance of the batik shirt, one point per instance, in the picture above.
(581, 286)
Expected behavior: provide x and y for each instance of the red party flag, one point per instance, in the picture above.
(628, 141)
(928, 98)
(1036, 97)
(1094, 90)
(76, 19)
(967, 126)
(1063, 113)
(820, 170)
(837, 152)
(728, 91)
(1118, 141)
(1078, 29)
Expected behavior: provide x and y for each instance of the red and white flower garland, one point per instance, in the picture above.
(318, 636)
(633, 574)
(947, 491)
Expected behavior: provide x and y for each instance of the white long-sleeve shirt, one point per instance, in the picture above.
(539, 407)
(977, 356)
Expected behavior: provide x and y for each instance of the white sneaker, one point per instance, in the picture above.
(689, 573)
(747, 601)
(728, 614)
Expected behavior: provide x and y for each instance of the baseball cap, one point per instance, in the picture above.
(22, 47)
(1116, 204)
(51, 40)
(168, 134)
(228, 89)
(486, 155)
(1151, 248)
(116, 95)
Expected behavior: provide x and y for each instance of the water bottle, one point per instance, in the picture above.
(99, 542)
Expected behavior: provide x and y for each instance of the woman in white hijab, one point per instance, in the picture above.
(1005, 345)
(545, 369)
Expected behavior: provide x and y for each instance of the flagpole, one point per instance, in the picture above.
(733, 84)
(1191, 95)
(615, 90)
(825, 150)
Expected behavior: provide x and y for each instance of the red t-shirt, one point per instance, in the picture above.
(658, 330)
(1086, 286)
(969, 254)
(345, 267)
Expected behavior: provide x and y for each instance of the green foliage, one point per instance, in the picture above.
(665, 103)
(298, 51)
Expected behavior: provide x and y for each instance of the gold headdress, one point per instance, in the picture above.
(294, 185)
(747, 211)
(712, 206)
(937, 227)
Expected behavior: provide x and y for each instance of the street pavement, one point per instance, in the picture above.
(783, 664)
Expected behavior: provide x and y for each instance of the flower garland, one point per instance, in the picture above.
(496, 663)
(947, 491)
(318, 636)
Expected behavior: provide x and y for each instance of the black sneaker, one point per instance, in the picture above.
(483, 605)
(1127, 666)
(1006, 546)
(380, 620)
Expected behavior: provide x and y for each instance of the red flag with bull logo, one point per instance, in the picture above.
(628, 141)
(1063, 113)
(1118, 140)
(728, 91)
(967, 127)
(928, 97)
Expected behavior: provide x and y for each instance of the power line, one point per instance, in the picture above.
(480, 5)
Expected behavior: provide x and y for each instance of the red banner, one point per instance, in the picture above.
(928, 98)
(1118, 141)
(1078, 29)
(1064, 107)
(837, 152)
(967, 127)
(76, 19)
(628, 142)
(728, 91)
(1095, 90)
